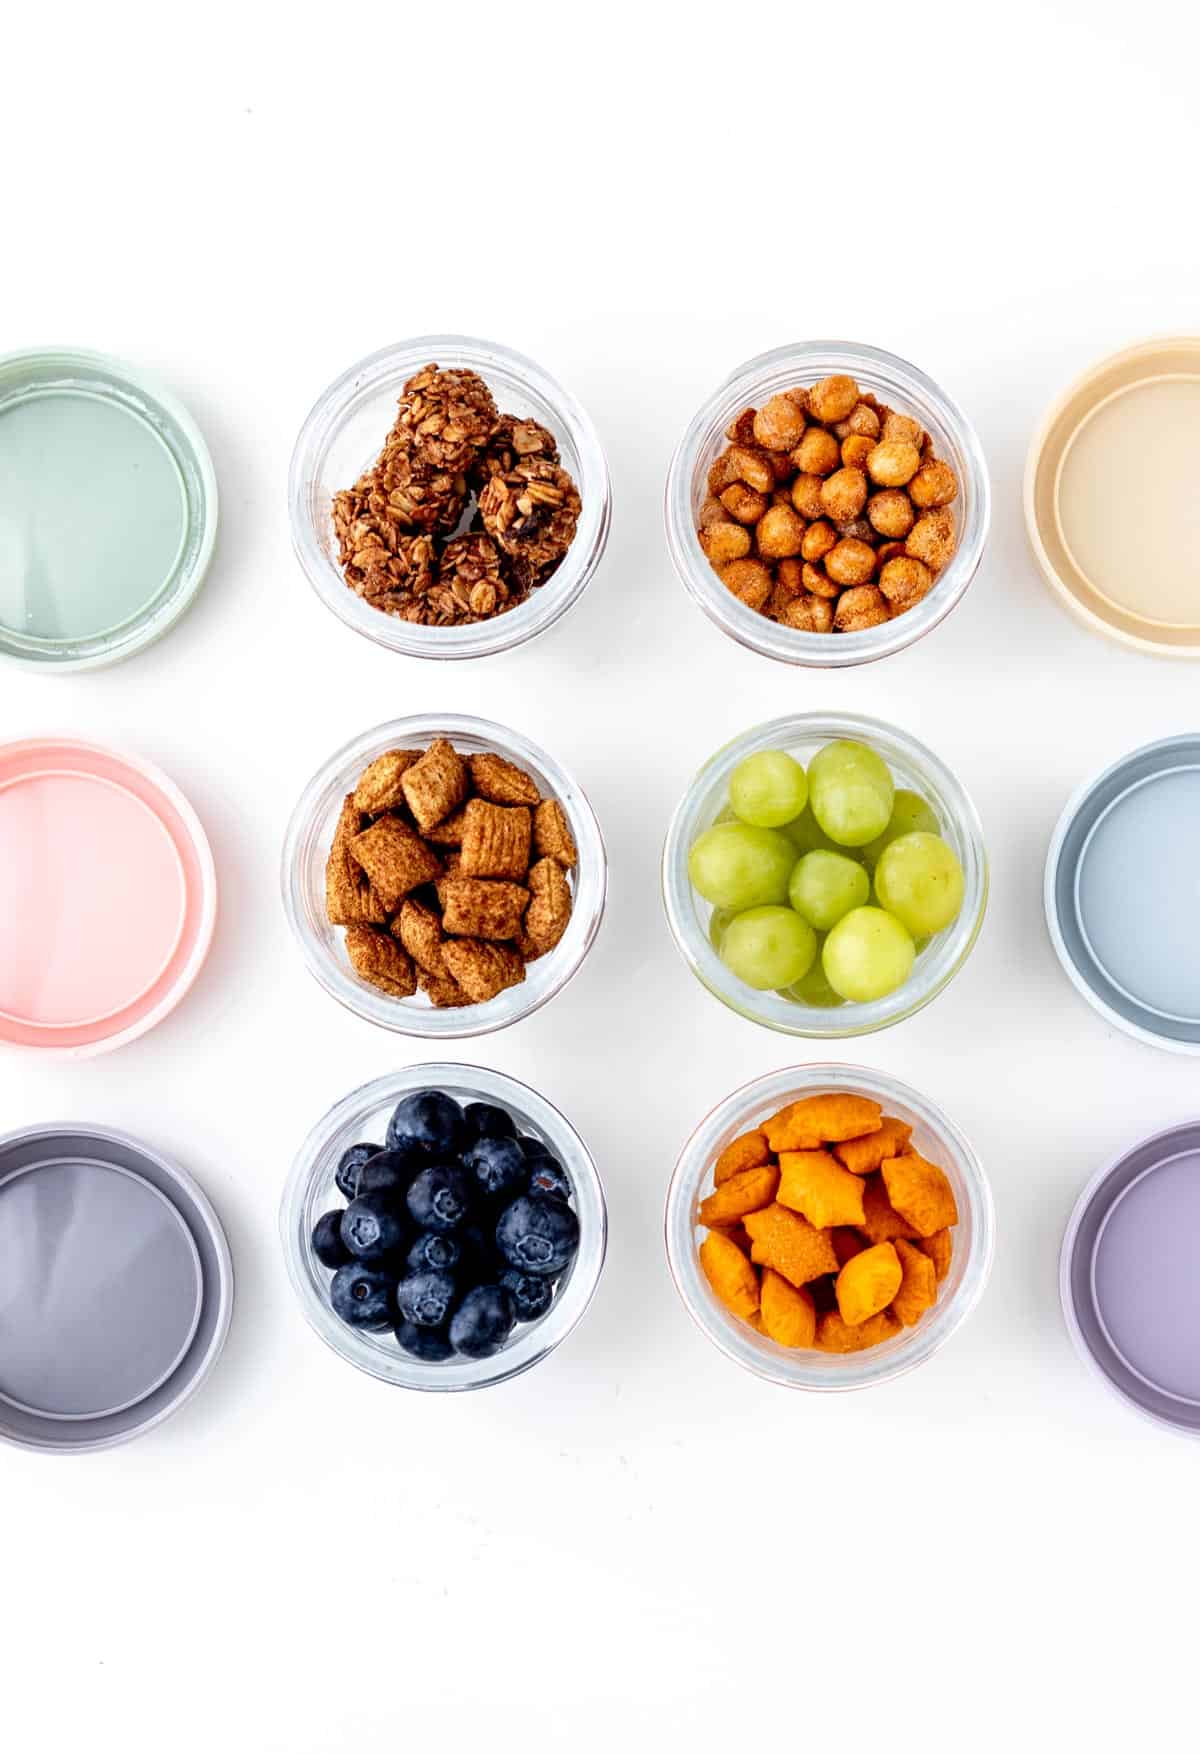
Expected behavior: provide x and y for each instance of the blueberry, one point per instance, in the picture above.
(482, 1322)
(486, 1121)
(431, 1345)
(430, 1119)
(372, 1227)
(531, 1293)
(498, 1168)
(349, 1164)
(481, 1259)
(426, 1298)
(432, 1251)
(362, 1296)
(388, 1172)
(533, 1148)
(549, 1179)
(327, 1242)
(439, 1197)
(538, 1236)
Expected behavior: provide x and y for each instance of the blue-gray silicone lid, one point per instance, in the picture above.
(115, 1288)
(1122, 893)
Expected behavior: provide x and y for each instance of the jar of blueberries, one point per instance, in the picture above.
(444, 1227)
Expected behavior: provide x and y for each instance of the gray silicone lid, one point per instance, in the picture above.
(1122, 893)
(115, 1288)
(1130, 1277)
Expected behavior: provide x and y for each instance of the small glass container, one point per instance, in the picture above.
(914, 767)
(344, 434)
(306, 851)
(934, 1135)
(902, 388)
(311, 1190)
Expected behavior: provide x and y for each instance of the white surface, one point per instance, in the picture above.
(636, 1538)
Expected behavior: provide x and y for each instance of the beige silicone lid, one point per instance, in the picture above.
(1110, 499)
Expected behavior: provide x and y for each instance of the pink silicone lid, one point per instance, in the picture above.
(108, 896)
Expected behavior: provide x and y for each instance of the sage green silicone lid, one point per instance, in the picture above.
(108, 509)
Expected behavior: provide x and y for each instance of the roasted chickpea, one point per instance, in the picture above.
(864, 421)
(779, 425)
(901, 429)
(934, 484)
(780, 533)
(833, 398)
(749, 580)
(858, 527)
(818, 452)
(809, 615)
(890, 512)
(856, 449)
(819, 538)
(862, 606)
(850, 562)
(743, 504)
(888, 551)
(789, 576)
(781, 496)
(800, 397)
(750, 466)
(931, 538)
(893, 462)
(724, 542)
(740, 430)
(905, 581)
(806, 496)
(817, 580)
(844, 494)
(719, 475)
(711, 512)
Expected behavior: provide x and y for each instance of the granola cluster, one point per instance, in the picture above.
(828, 511)
(449, 874)
(395, 527)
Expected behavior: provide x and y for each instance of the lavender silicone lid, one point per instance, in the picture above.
(1130, 1277)
(115, 1288)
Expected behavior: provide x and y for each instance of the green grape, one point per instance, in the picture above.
(736, 866)
(769, 947)
(826, 885)
(867, 955)
(806, 834)
(718, 925)
(919, 879)
(768, 789)
(814, 988)
(910, 815)
(850, 792)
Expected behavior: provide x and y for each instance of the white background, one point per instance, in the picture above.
(636, 1539)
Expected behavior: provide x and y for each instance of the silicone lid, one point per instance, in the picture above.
(1130, 1277)
(99, 1289)
(108, 509)
(115, 1288)
(107, 896)
(1110, 504)
(1121, 893)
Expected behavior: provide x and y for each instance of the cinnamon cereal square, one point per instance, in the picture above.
(501, 782)
(496, 839)
(379, 788)
(483, 970)
(552, 834)
(395, 859)
(474, 908)
(549, 909)
(420, 931)
(381, 961)
(435, 785)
